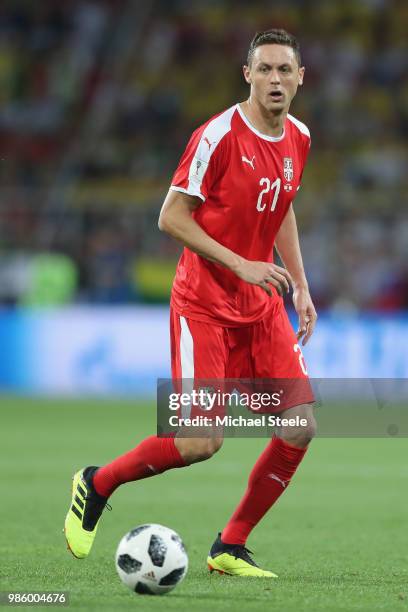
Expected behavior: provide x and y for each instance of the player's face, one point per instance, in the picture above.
(274, 76)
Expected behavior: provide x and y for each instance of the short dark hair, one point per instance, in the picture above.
(274, 37)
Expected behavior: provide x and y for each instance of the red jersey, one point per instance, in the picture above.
(246, 181)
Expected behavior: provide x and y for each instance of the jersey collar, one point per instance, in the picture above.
(257, 132)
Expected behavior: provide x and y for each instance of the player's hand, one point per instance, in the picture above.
(264, 275)
(306, 312)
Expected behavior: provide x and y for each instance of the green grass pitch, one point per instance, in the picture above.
(337, 538)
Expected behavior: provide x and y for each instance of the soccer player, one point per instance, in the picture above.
(230, 203)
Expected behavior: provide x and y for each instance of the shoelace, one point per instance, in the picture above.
(106, 505)
(241, 552)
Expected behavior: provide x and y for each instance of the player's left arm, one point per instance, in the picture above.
(288, 247)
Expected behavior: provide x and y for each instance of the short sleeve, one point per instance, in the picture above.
(204, 159)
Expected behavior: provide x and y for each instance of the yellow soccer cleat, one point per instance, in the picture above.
(84, 513)
(234, 560)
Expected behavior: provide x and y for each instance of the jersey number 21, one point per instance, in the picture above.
(267, 187)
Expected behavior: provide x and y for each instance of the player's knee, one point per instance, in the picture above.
(300, 436)
(207, 447)
(199, 449)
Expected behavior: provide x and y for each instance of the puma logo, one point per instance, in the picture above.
(251, 161)
(274, 477)
(208, 142)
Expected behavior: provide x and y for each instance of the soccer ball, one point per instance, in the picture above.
(151, 559)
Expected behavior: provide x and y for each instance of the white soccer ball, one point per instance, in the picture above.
(151, 560)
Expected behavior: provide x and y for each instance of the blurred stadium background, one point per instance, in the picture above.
(97, 101)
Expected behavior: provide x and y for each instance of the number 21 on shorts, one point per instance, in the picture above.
(302, 364)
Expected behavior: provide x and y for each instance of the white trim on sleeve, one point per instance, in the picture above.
(182, 190)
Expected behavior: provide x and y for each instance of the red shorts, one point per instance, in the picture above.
(266, 350)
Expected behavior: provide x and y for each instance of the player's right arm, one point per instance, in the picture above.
(176, 220)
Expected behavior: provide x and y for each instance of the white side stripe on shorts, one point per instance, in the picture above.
(186, 350)
(187, 363)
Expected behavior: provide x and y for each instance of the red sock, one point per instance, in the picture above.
(152, 456)
(270, 476)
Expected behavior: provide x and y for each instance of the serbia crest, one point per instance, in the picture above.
(288, 168)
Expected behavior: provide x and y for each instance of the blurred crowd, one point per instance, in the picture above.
(98, 99)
